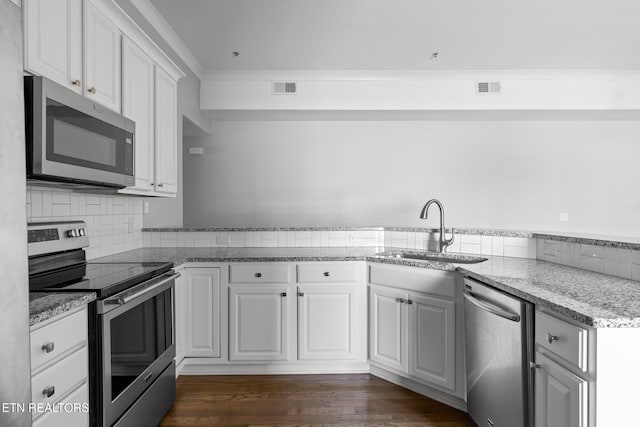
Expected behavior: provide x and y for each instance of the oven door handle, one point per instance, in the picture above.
(125, 299)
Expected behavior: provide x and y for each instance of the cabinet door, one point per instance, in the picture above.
(432, 340)
(561, 396)
(102, 53)
(259, 322)
(138, 105)
(387, 328)
(76, 418)
(166, 133)
(53, 40)
(203, 312)
(326, 322)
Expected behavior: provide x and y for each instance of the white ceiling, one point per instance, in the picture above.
(402, 34)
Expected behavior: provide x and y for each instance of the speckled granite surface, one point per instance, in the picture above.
(591, 298)
(594, 299)
(44, 305)
(182, 255)
(592, 239)
(232, 229)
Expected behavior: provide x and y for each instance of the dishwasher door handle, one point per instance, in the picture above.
(491, 308)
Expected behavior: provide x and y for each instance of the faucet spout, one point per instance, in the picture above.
(443, 242)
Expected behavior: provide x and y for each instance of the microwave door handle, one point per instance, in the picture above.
(491, 308)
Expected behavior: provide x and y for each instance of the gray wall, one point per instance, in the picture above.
(15, 384)
(501, 174)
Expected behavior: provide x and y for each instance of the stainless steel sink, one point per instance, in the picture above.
(450, 258)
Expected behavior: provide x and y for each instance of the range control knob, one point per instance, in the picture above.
(82, 231)
(73, 232)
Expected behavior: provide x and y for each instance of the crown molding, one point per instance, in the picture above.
(157, 21)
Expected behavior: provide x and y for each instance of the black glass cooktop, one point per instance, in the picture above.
(105, 279)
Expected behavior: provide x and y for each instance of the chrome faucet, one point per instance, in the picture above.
(443, 242)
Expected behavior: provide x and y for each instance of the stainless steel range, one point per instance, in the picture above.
(131, 341)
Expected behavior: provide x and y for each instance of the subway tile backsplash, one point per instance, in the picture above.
(114, 222)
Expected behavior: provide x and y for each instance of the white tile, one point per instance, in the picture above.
(540, 249)
(282, 239)
(337, 238)
(47, 204)
(470, 239)
(624, 263)
(93, 209)
(516, 241)
(399, 239)
(221, 238)
(181, 239)
(291, 239)
(82, 204)
(497, 247)
(592, 251)
(611, 261)
(635, 272)
(269, 239)
(565, 254)
(419, 240)
(248, 239)
(516, 251)
(470, 248)
(236, 239)
(304, 239)
(486, 246)
(381, 237)
(60, 198)
(635, 257)
(316, 239)
(189, 239)
(155, 239)
(592, 264)
(324, 239)
(36, 204)
(369, 234)
(73, 203)
(575, 255)
(168, 239)
(257, 239)
(531, 245)
(61, 210)
(202, 239)
(411, 240)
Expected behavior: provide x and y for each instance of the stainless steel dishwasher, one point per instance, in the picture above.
(499, 350)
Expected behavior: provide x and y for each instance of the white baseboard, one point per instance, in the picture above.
(202, 367)
(431, 393)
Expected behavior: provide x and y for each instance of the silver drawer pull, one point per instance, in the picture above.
(326, 274)
(92, 90)
(534, 365)
(48, 347)
(49, 391)
(148, 377)
(283, 294)
(409, 301)
(300, 294)
(400, 300)
(258, 275)
(551, 338)
(76, 82)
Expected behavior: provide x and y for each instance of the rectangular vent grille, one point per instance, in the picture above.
(284, 88)
(488, 87)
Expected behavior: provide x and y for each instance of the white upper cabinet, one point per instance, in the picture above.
(166, 132)
(53, 40)
(138, 105)
(102, 44)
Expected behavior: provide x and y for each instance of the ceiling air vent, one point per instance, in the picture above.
(488, 87)
(284, 88)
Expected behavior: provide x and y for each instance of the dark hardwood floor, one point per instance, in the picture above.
(304, 400)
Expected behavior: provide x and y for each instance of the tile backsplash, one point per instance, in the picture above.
(114, 222)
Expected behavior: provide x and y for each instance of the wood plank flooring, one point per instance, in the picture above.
(304, 400)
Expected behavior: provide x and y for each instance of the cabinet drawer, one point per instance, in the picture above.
(432, 282)
(49, 342)
(327, 272)
(78, 417)
(60, 378)
(563, 339)
(259, 273)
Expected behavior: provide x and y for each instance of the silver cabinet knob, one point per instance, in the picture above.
(72, 233)
(258, 275)
(48, 347)
(49, 391)
(551, 338)
(300, 294)
(400, 300)
(82, 231)
(76, 82)
(283, 294)
(409, 301)
(534, 365)
(92, 90)
(326, 274)
(161, 185)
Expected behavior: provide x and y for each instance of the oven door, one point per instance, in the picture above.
(71, 139)
(137, 344)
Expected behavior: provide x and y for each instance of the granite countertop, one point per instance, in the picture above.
(183, 255)
(594, 299)
(44, 305)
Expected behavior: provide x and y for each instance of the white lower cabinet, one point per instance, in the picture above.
(414, 326)
(74, 417)
(259, 322)
(327, 317)
(561, 397)
(432, 341)
(202, 313)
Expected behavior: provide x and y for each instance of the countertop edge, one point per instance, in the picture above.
(47, 305)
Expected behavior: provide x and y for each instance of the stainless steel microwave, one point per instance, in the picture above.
(71, 139)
